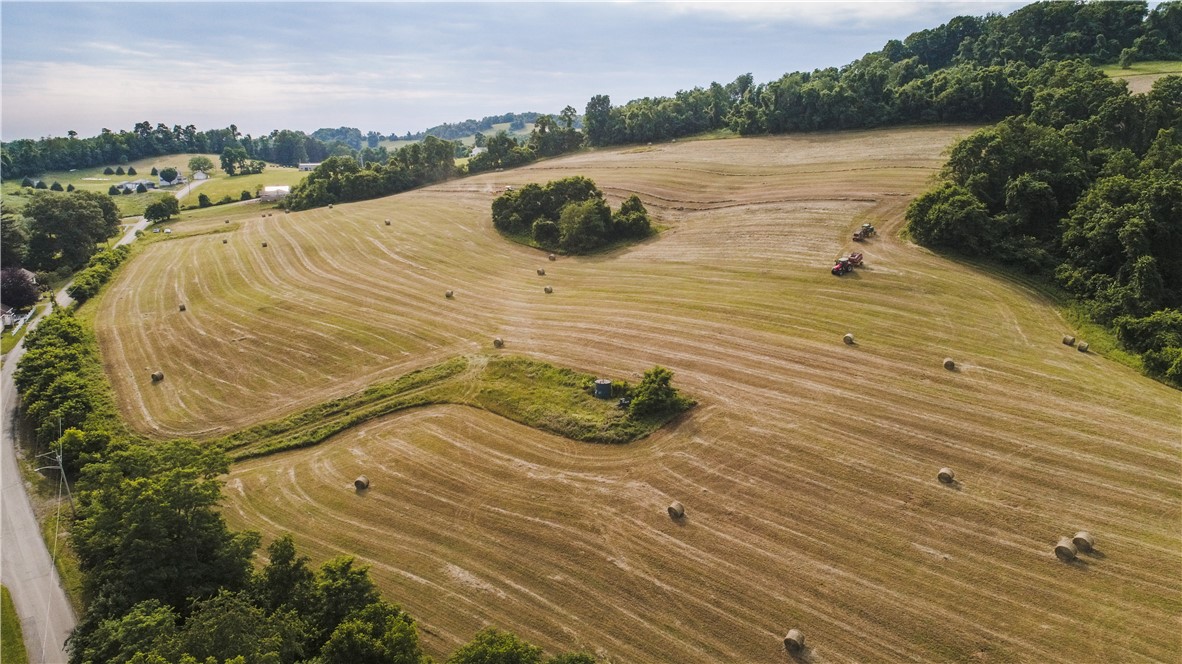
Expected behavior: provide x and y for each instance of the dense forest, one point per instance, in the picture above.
(1078, 181)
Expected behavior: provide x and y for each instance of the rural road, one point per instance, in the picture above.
(25, 564)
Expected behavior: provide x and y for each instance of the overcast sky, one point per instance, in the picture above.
(398, 67)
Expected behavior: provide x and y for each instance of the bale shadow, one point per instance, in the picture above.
(1098, 555)
(954, 485)
(805, 654)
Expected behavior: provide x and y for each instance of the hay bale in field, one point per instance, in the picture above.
(225, 241)
(182, 307)
(548, 289)
(1065, 550)
(949, 364)
(946, 475)
(553, 257)
(1083, 347)
(264, 244)
(498, 342)
(449, 294)
(794, 641)
(1083, 541)
(541, 272)
(387, 222)
(361, 483)
(1068, 340)
(676, 510)
(330, 206)
(848, 339)
(227, 221)
(157, 376)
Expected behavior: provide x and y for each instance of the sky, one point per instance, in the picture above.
(394, 67)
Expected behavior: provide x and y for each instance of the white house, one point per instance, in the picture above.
(476, 151)
(275, 192)
(200, 175)
(308, 166)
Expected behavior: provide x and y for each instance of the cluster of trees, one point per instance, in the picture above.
(970, 69)
(568, 215)
(17, 288)
(450, 131)
(98, 271)
(58, 230)
(58, 380)
(343, 179)
(1086, 190)
(548, 138)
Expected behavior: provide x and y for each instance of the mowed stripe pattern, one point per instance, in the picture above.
(807, 471)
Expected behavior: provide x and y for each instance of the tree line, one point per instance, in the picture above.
(1085, 190)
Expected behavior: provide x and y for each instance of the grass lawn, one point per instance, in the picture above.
(1141, 75)
(12, 644)
(221, 185)
(93, 179)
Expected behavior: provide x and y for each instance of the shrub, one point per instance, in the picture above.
(203, 201)
(131, 170)
(225, 199)
(154, 171)
(245, 196)
(69, 187)
(108, 171)
(655, 394)
(56, 186)
(26, 182)
(545, 233)
(141, 188)
(119, 171)
(41, 185)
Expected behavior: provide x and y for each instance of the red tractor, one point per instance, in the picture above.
(846, 264)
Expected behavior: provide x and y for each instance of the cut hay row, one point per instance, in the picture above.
(806, 459)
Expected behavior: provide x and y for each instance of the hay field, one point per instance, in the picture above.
(807, 470)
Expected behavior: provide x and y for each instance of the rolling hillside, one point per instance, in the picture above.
(808, 469)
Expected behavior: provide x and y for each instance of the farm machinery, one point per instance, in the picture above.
(865, 232)
(846, 264)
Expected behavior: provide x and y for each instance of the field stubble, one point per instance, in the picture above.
(807, 471)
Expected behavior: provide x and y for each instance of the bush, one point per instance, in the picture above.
(108, 171)
(154, 171)
(17, 288)
(545, 233)
(119, 171)
(56, 186)
(131, 170)
(27, 182)
(655, 394)
(41, 185)
(225, 199)
(245, 196)
(69, 187)
(203, 201)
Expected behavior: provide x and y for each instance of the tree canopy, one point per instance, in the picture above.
(569, 215)
(65, 228)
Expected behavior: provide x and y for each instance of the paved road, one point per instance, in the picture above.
(25, 564)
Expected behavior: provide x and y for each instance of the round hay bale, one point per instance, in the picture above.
(227, 221)
(225, 241)
(498, 342)
(387, 222)
(949, 364)
(182, 307)
(541, 272)
(264, 215)
(330, 206)
(1083, 347)
(157, 376)
(448, 294)
(1068, 340)
(264, 244)
(1065, 550)
(548, 289)
(848, 339)
(794, 641)
(361, 483)
(946, 475)
(553, 257)
(676, 510)
(1083, 541)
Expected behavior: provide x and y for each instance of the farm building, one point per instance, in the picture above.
(200, 175)
(275, 192)
(7, 315)
(308, 165)
(132, 185)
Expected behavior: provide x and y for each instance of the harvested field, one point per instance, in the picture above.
(806, 470)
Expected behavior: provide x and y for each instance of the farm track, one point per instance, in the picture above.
(807, 470)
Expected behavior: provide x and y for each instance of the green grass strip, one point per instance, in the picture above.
(12, 644)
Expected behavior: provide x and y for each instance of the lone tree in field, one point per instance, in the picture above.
(655, 394)
(163, 209)
(201, 163)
